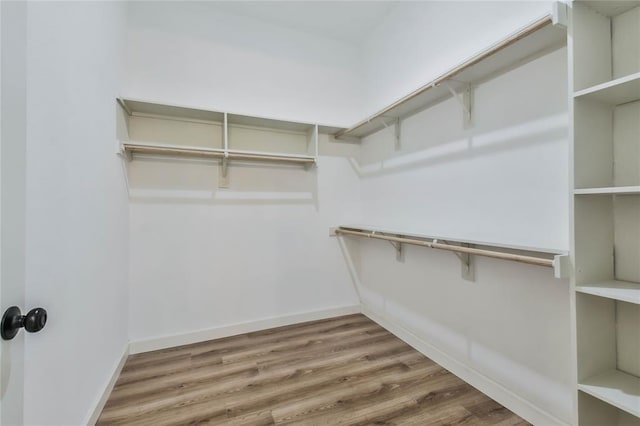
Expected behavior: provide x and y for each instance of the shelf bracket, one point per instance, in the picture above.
(123, 153)
(466, 263)
(396, 131)
(223, 178)
(465, 101)
(399, 250)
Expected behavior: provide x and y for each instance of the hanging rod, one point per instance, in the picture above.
(538, 261)
(216, 153)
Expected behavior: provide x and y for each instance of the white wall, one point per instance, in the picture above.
(418, 41)
(195, 54)
(506, 181)
(202, 257)
(77, 214)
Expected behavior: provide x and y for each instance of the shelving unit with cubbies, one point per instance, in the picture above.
(604, 49)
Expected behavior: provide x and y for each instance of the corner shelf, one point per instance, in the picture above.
(614, 387)
(618, 290)
(620, 91)
(541, 36)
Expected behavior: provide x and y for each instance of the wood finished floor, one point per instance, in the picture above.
(341, 371)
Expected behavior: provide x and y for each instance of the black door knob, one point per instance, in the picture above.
(13, 320)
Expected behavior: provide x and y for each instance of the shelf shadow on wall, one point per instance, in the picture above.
(544, 131)
(161, 180)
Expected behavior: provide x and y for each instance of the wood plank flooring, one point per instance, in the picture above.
(341, 371)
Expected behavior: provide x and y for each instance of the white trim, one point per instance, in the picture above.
(100, 403)
(484, 384)
(235, 329)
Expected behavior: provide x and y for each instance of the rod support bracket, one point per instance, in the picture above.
(396, 130)
(466, 263)
(399, 250)
(465, 100)
(223, 178)
(559, 14)
(561, 266)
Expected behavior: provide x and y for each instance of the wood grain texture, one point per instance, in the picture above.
(340, 371)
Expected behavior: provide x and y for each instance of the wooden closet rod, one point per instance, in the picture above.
(450, 247)
(151, 149)
(217, 153)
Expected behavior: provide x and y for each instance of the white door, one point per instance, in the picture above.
(12, 201)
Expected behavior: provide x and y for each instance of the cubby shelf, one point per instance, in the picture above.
(616, 190)
(618, 290)
(619, 389)
(604, 55)
(616, 92)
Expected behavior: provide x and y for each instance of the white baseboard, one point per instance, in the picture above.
(494, 390)
(232, 330)
(99, 405)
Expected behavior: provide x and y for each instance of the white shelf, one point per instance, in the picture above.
(525, 45)
(616, 92)
(145, 108)
(619, 190)
(619, 290)
(616, 388)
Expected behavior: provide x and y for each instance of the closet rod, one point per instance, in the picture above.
(217, 153)
(152, 149)
(450, 247)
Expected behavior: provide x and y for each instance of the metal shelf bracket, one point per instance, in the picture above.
(223, 178)
(465, 100)
(399, 251)
(466, 262)
(396, 131)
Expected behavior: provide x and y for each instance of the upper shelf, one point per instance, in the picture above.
(137, 107)
(526, 44)
(616, 92)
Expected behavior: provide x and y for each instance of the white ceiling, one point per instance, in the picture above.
(349, 21)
